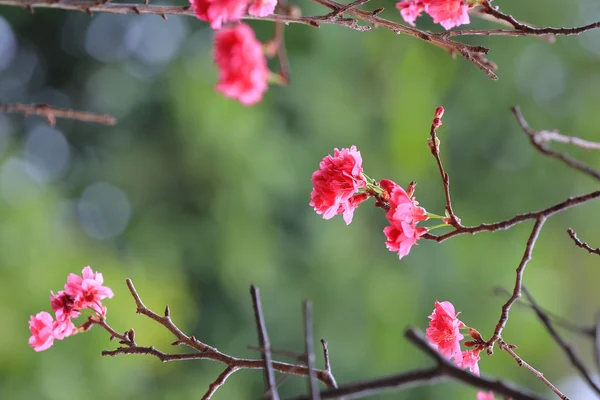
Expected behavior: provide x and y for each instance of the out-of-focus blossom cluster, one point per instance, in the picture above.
(447, 13)
(239, 56)
(80, 292)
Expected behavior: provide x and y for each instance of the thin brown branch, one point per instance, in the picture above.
(581, 244)
(327, 362)
(263, 341)
(442, 371)
(50, 113)
(309, 350)
(597, 342)
(518, 219)
(531, 30)
(220, 381)
(479, 13)
(566, 347)
(518, 284)
(434, 146)
(538, 139)
(586, 331)
(203, 351)
(509, 349)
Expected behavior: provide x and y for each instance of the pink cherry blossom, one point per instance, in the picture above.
(404, 215)
(410, 10)
(218, 12)
(469, 359)
(243, 72)
(485, 396)
(444, 330)
(42, 336)
(402, 237)
(65, 308)
(336, 183)
(448, 13)
(87, 290)
(262, 8)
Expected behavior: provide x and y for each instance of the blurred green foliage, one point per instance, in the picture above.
(219, 196)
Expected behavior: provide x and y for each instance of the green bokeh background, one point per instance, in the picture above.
(219, 199)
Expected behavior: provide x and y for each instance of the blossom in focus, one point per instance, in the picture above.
(485, 396)
(243, 71)
(336, 183)
(217, 12)
(448, 13)
(469, 359)
(88, 290)
(40, 326)
(444, 331)
(404, 215)
(262, 8)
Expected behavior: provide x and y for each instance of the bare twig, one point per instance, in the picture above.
(509, 349)
(573, 358)
(586, 331)
(519, 218)
(538, 138)
(581, 244)
(597, 342)
(434, 146)
(326, 360)
(212, 388)
(479, 13)
(263, 341)
(203, 351)
(421, 377)
(50, 113)
(518, 283)
(310, 353)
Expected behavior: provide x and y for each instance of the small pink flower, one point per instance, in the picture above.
(444, 330)
(336, 183)
(243, 72)
(448, 13)
(404, 215)
(469, 359)
(64, 306)
(410, 10)
(87, 290)
(262, 8)
(402, 237)
(42, 336)
(217, 12)
(485, 396)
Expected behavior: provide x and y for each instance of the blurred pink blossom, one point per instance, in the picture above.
(218, 12)
(469, 359)
(485, 396)
(447, 13)
(41, 329)
(262, 8)
(243, 72)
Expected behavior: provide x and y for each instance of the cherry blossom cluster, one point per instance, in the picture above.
(444, 335)
(80, 292)
(340, 186)
(447, 13)
(239, 56)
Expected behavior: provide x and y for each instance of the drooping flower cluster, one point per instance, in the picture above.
(340, 186)
(243, 71)
(447, 13)
(444, 335)
(239, 56)
(80, 292)
(404, 215)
